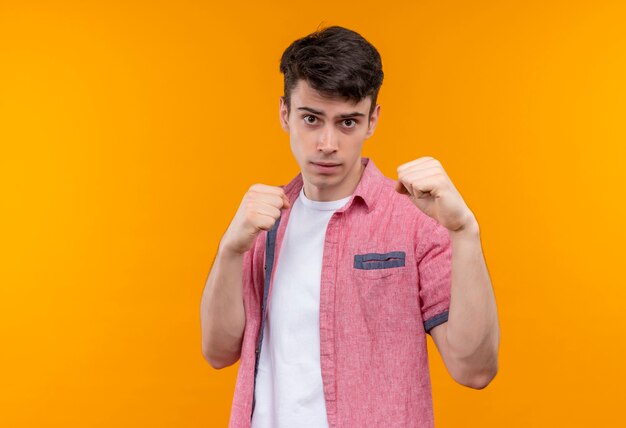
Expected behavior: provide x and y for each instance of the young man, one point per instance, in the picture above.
(325, 288)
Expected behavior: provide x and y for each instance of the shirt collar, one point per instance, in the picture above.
(367, 190)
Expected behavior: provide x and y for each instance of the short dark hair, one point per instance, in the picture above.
(335, 61)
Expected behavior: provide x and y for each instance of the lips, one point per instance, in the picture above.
(325, 167)
(326, 164)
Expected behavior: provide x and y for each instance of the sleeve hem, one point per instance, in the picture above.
(435, 321)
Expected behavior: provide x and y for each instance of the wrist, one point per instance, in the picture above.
(227, 249)
(470, 229)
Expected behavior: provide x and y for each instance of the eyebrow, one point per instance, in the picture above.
(339, 116)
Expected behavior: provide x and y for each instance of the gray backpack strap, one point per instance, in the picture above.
(270, 244)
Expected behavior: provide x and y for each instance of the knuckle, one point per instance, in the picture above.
(267, 224)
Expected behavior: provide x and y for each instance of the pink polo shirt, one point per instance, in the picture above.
(386, 278)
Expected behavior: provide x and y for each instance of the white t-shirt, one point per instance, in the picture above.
(289, 390)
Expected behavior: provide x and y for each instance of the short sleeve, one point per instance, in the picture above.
(434, 263)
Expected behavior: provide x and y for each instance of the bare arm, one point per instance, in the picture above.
(469, 341)
(222, 314)
(221, 311)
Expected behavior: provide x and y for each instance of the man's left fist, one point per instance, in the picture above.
(429, 188)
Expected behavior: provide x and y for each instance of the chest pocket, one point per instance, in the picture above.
(379, 265)
(381, 283)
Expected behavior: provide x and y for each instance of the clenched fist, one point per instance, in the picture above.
(430, 189)
(259, 210)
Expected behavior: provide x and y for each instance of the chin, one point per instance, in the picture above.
(322, 181)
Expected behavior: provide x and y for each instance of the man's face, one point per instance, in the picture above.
(327, 131)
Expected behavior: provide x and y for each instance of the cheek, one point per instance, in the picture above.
(302, 137)
(296, 132)
(298, 146)
(357, 138)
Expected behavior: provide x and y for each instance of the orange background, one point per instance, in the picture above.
(130, 133)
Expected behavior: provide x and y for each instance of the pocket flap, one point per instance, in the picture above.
(379, 260)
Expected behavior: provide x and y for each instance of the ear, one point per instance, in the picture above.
(283, 114)
(373, 121)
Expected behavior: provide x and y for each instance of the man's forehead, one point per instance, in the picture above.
(303, 95)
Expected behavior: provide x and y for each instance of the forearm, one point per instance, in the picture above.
(472, 330)
(222, 312)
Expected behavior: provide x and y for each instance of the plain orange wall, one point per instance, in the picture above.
(130, 131)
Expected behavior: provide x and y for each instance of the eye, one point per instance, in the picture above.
(349, 123)
(311, 120)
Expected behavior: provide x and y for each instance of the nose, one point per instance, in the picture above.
(327, 141)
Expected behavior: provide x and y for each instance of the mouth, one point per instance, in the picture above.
(325, 167)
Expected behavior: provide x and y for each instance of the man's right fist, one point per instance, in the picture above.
(259, 210)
